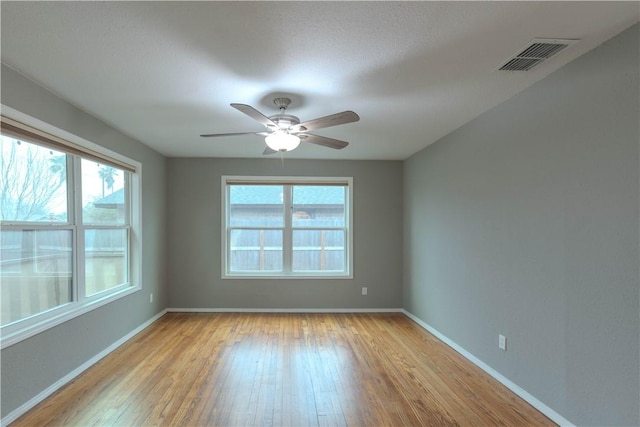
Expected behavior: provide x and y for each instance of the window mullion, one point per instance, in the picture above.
(227, 249)
(226, 224)
(287, 238)
(79, 251)
(127, 220)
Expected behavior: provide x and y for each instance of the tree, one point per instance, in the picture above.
(107, 174)
(58, 165)
(28, 185)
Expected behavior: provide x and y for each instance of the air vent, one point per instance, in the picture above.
(534, 53)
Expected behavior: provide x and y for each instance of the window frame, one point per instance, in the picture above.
(288, 228)
(22, 329)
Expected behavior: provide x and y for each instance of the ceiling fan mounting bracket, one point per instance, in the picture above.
(282, 103)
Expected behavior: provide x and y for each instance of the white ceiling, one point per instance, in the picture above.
(165, 72)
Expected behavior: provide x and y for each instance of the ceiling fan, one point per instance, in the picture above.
(284, 131)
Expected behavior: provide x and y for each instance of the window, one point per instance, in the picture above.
(287, 227)
(69, 221)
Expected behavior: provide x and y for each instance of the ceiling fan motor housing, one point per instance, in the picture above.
(284, 121)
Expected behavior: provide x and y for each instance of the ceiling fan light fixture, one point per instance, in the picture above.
(282, 141)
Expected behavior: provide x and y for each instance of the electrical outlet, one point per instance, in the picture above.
(364, 291)
(502, 342)
(150, 298)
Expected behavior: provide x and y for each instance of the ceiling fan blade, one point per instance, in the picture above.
(210, 135)
(254, 114)
(324, 141)
(327, 121)
(269, 150)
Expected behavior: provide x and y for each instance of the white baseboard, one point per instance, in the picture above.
(13, 415)
(285, 310)
(553, 415)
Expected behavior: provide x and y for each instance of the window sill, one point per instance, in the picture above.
(287, 277)
(55, 317)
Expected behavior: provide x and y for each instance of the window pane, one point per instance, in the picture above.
(105, 259)
(256, 206)
(103, 194)
(33, 182)
(35, 272)
(318, 250)
(318, 206)
(255, 250)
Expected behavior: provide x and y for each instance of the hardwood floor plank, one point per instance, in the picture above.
(267, 369)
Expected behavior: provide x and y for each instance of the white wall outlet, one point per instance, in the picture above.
(364, 291)
(502, 342)
(150, 298)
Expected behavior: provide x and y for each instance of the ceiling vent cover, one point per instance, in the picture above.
(534, 53)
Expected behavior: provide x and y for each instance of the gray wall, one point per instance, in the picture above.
(195, 232)
(525, 222)
(32, 365)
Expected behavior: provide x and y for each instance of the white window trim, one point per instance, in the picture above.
(276, 180)
(20, 330)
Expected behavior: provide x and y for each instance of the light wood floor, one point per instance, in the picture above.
(232, 369)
